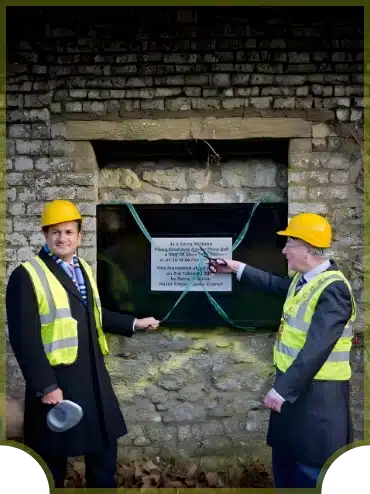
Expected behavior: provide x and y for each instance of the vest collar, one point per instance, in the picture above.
(62, 277)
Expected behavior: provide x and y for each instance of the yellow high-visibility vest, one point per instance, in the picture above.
(298, 311)
(58, 328)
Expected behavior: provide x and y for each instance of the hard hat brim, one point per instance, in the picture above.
(72, 218)
(303, 236)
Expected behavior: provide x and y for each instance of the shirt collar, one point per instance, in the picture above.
(315, 271)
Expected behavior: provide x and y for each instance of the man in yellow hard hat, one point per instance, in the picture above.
(56, 329)
(310, 416)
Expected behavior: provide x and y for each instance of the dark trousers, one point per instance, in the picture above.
(100, 468)
(288, 473)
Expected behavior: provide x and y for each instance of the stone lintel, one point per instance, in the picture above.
(181, 129)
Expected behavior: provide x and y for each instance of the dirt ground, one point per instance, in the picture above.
(147, 473)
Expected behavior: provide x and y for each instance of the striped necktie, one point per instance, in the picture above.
(302, 281)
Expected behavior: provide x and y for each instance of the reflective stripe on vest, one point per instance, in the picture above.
(299, 321)
(54, 313)
(58, 328)
(298, 311)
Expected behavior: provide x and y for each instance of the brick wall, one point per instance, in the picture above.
(142, 64)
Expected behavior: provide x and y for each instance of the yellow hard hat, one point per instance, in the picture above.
(312, 228)
(59, 211)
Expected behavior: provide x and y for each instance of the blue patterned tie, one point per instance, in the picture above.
(300, 283)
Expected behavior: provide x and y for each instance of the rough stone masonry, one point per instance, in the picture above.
(75, 75)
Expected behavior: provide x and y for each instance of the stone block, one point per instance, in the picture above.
(17, 209)
(205, 104)
(296, 57)
(32, 148)
(178, 104)
(40, 115)
(338, 192)
(261, 103)
(343, 114)
(290, 80)
(23, 163)
(155, 104)
(11, 194)
(284, 103)
(40, 131)
(340, 177)
(230, 104)
(22, 131)
(356, 115)
(306, 207)
(83, 155)
(121, 177)
(38, 100)
(251, 173)
(322, 131)
(299, 160)
(262, 79)
(319, 145)
(185, 412)
(297, 146)
(297, 193)
(334, 161)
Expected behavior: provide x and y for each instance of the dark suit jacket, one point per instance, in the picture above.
(315, 419)
(86, 382)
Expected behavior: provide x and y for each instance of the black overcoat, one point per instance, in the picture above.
(315, 420)
(85, 382)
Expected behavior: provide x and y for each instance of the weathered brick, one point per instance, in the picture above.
(23, 163)
(307, 207)
(22, 131)
(297, 193)
(338, 192)
(191, 92)
(78, 93)
(284, 102)
(356, 114)
(156, 104)
(290, 80)
(262, 79)
(303, 57)
(205, 104)
(261, 103)
(17, 209)
(221, 80)
(247, 91)
(232, 103)
(37, 100)
(340, 177)
(342, 114)
(178, 104)
(32, 148)
(40, 115)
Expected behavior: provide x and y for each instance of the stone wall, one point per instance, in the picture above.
(146, 74)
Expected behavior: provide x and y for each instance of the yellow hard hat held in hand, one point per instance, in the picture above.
(59, 211)
(310, 227)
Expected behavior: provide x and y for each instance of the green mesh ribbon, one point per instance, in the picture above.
(200, 265)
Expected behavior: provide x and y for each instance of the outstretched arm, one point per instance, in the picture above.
(261, 280)
(126, 325)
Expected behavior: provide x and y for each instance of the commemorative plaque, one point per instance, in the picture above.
(175, 261)
(147, 278)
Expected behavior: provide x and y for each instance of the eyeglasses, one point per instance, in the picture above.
(291, 245)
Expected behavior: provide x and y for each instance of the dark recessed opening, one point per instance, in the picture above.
(124, 153)
(126, 262)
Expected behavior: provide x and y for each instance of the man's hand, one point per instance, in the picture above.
(53, 398)
(273, 400)
(148, 323)
(219, 267)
